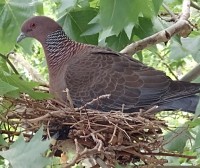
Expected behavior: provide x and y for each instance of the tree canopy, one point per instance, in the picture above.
(161, 33)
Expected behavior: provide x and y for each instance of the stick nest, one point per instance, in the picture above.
(106, 137)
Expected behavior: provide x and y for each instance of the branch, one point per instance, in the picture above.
(170, 154)
(9, 62)
(194, 5)
(181, 27)
(31, 70)
(193, 74)
(80, 154)
(169, 11)
(168, 67)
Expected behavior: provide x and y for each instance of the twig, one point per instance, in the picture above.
(169, 11)
(113, 135)
(9, 62)
(191, 75)
(80, 154)
(168, 67)
(119, 128)
(194, 5)
(170, 154)
(152, 109)
(101, 163)
(17, 58)
(94, 132)
(71, 105)
(141, 130)
(94, 101)
(181, 27)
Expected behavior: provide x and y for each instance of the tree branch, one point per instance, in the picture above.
(194, 5)
(181, 27)
(169, 11)
(191, 75)
(9, 62)
(31, 70)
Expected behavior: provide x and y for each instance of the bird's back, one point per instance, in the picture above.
(105, 80)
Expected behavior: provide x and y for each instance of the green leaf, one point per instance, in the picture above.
(176, 140)
(2, 141)
(156, 5)
(192, 45)
(184, 47)
(66, 6)
(75, 23)
(129, 29)
(105, 33)
(197, 142)
(93, 29)
(17, 86)
(144, 28)
(12, 14)
(197, 112)
(177, 50)
(3, 64)
(119, 14)
(140, 56)
(194, 123)
(6, 87)
(23, 154)
(118, 42)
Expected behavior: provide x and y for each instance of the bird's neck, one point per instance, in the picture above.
(59, 49)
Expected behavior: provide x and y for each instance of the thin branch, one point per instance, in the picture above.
(194, 5)
(168, 67)
(80, 154)
(181, 27)
(193, 74)
(31, 70)
(169, 11)
(69, 99)
(9, 62)
(185, 10)
(94, 101)
(170, 154)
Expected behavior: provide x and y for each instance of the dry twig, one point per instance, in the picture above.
(112, 137)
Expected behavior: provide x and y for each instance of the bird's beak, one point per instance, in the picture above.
(21, 37)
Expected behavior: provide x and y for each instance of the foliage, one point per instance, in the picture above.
(20, 153)
(113, 23)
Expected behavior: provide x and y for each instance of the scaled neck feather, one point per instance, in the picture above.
(59, 49)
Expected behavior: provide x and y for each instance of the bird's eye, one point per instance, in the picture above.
(32, 25)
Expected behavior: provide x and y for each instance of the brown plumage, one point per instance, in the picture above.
(111, 78)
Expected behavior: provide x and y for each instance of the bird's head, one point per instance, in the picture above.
(38, 27)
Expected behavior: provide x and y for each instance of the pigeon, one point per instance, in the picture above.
(102, 79)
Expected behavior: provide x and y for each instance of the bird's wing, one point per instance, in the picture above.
(107, 80)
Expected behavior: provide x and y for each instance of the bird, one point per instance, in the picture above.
(102, 79)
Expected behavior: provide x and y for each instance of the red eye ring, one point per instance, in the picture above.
(32, 25)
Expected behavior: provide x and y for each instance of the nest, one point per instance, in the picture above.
(105, 137)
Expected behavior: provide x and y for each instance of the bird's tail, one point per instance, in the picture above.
(188, 104)
(181, 95)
